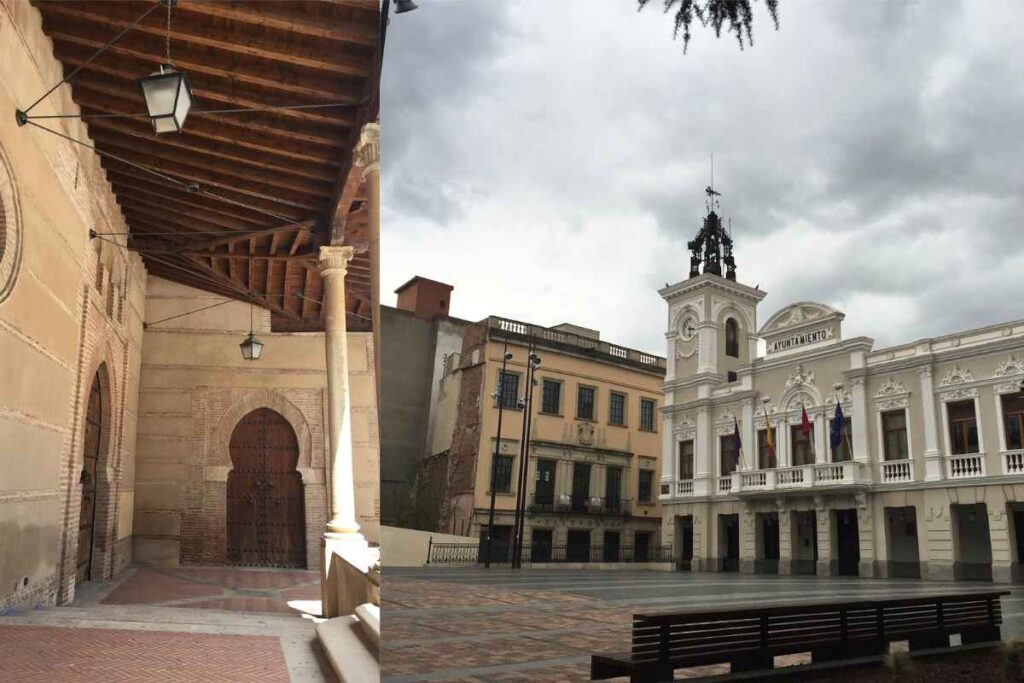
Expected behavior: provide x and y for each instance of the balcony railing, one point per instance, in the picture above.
(725, 484)
(1013, 462)
(802, 476)
(966, 466)
(588, 505)
(504, 328)
(473, 553)
(896, 471)
(684, 487)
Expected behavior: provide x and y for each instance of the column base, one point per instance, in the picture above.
(1007, 573)
(344, 583)
(933, 467)
(824, 568)
(938, 571)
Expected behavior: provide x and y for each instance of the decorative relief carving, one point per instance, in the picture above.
(892, 394)
(890, 387)
(585, 434)
(800, 378)
(1012, 366)
(726, 423)
(958, 394)
(956, 376)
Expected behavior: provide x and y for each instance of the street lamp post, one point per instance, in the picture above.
(520, 518)
(499, 395)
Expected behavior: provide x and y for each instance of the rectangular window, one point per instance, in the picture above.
(1013, 420)
(764, 457)
(646, 486)
(730, 454)
(613, 489)
(843, 453)
(503, 473)
(617, 409)
(551, 398)
(580, 486)
(585, 403)
(894, 435)
(686, 459)
(509, 390)
(963, 427)
(802, 448)
(647, 414)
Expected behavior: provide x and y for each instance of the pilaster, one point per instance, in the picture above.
(823, 520)
(932, 457)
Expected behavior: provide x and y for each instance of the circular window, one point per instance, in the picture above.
(10, 229)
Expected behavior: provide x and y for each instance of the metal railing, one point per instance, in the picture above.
(567, 341)
(579, 504)
(473, 553)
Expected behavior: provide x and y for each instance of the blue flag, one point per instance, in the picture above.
(736, 436)
(836, 436)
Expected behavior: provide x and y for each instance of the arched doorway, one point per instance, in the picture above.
(87, 478)
(265, 503)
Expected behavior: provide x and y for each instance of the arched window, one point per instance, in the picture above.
(732, 338)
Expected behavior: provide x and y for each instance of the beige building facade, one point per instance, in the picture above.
(924, 479)
(592, 446)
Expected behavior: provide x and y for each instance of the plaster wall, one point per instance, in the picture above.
(72, 309)
(195, 389)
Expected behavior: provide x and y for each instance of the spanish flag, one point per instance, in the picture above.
(770, 445)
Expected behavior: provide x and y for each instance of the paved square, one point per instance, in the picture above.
(172, 624)
(472, 624)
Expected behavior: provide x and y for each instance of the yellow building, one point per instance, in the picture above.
(593, 444)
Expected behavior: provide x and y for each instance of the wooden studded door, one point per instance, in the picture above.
(265, 503)
(87, 478)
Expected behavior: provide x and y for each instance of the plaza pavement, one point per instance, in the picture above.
(155, 624)
(472, 624)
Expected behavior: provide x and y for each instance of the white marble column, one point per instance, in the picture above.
(932, 457)
(860, 421)
(747, 432)
(333, 267)
(822, 453)
(703, 471)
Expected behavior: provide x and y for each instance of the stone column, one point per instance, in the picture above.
(823, 519)
(822, 452)
(860, 419)
(703, 478)
(748, 539)
(333, 267)
(939, 532)
(785, 537)
(933, 470)
(749, 442)
(367, 154)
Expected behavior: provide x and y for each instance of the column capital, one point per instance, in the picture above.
(334, 260)
(367, 152)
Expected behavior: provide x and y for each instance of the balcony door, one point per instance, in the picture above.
(545, 492)
(613, 489)
(580, 486)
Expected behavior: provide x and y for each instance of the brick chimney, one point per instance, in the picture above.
(425, 298)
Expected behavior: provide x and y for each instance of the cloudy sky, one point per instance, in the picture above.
(548, 160)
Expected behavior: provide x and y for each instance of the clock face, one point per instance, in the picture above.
(689, 329)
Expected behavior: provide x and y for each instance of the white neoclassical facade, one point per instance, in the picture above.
(926, 479)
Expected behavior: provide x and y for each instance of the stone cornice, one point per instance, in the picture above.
(716, 282)
(846, 346)
(944, 355)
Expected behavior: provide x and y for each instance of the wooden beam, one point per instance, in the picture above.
(301, 21)
(222, 95)
(242, 236)
(128, 196)
(308, 54)
(119, 97)
(138, 149)
(257, 74)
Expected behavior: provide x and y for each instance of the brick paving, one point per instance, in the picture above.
(471, 624)
(172, 624)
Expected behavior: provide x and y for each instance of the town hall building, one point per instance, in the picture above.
(924, 479)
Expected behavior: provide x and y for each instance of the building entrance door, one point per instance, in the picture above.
(685, 539)
(580, 486)
(611, 546)
(1018, 529)
(265, 498)
(901, 533)
(87, 514)
(578, 546)
(847, 543)
(729, 542)
(540, 545)
(768, 543)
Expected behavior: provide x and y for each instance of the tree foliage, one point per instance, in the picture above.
(735, 15)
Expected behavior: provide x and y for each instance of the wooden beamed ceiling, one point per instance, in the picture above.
(277, 184)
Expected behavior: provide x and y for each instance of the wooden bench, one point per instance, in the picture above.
(750, 638)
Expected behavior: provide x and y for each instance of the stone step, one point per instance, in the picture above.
(369, 619)
(353, 655)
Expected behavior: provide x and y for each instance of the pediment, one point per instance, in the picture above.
(798, 315)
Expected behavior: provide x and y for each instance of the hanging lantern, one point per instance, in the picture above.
(168, 98)
(251, 347)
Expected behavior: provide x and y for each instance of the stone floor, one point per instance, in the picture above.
(470, 624)
(172, 624)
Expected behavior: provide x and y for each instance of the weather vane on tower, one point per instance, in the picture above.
(712, 248)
